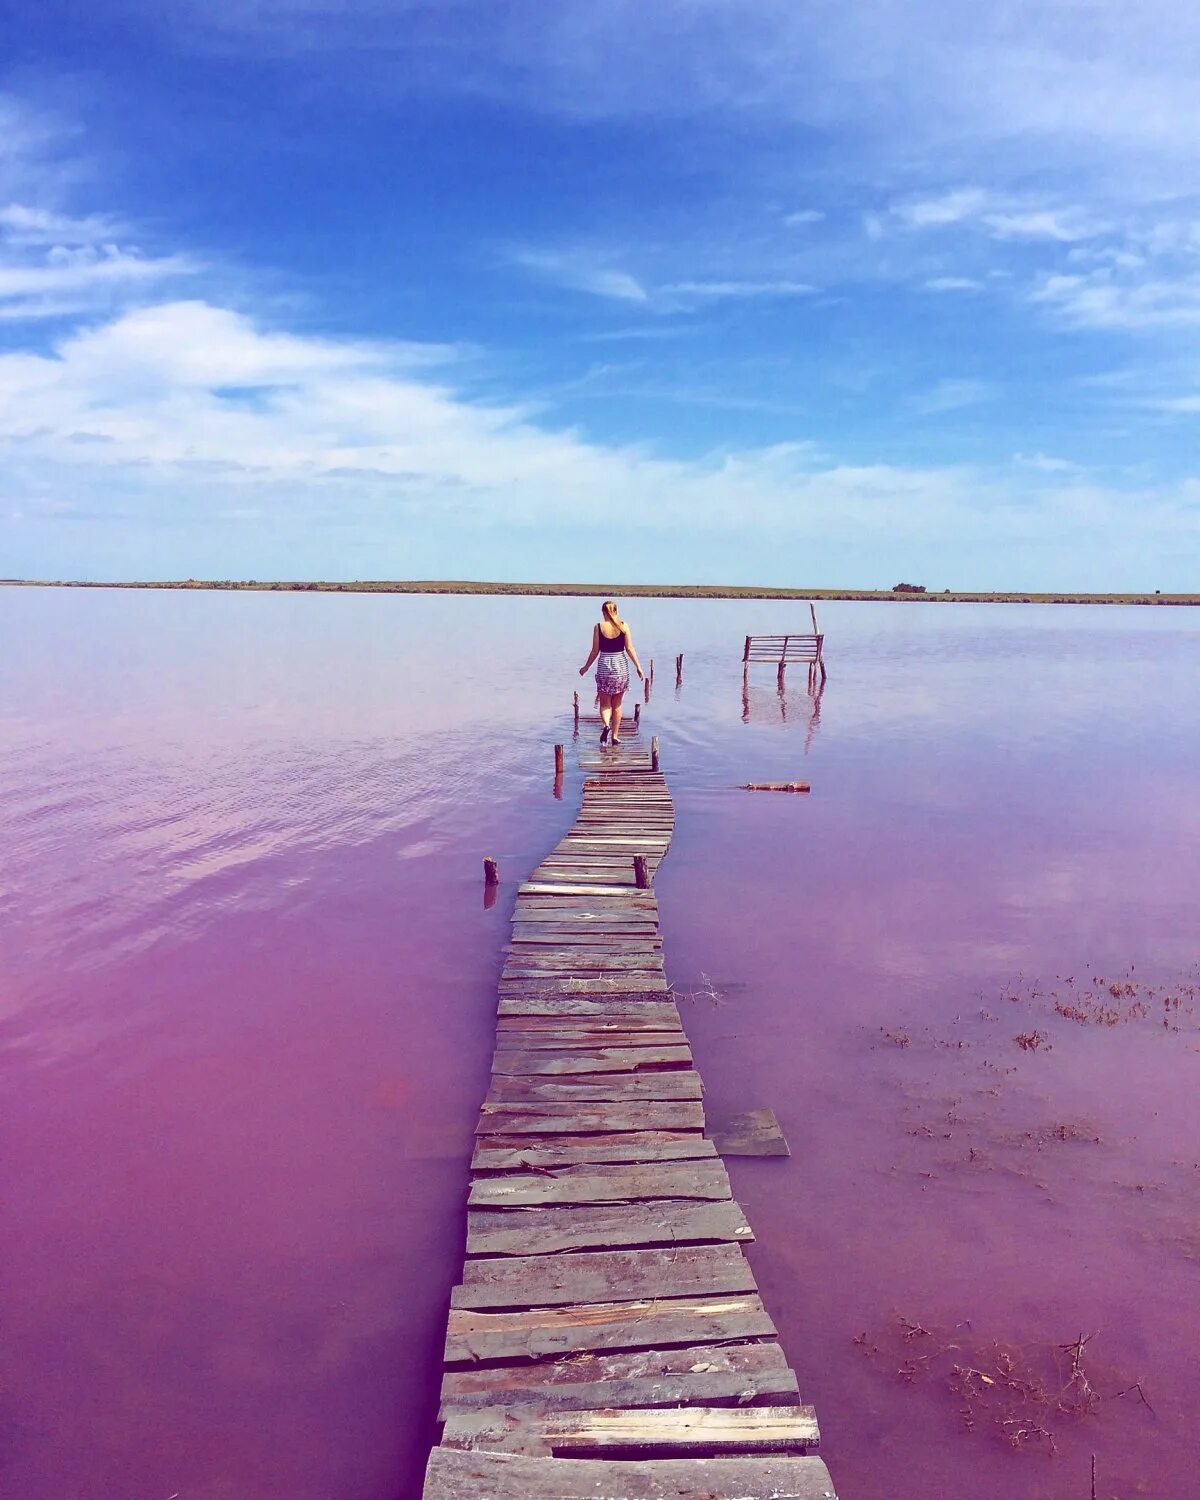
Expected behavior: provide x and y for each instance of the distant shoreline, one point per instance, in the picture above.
(621, 590)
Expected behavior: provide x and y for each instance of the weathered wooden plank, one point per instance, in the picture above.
(624, 986)
(644, 1377)
(647, 1013)
(583, 961)
(546, 1231)
(500, 1154)
(566, 888)
(627, 1275)
(663, 1430)
(567, 941)
(603, 1184)
(629, 1146)
(755, 1133)
(473, 1335)
(557, 1041)
(601, 1060)
(455, 1474)
(679, 1084)
(570, 1119)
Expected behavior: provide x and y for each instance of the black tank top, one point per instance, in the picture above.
(611, 646)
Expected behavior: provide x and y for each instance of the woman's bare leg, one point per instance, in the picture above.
(605, 710)
(616, 717)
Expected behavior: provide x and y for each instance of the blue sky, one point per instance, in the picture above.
(789, 292)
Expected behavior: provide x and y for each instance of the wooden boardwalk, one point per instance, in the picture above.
(607, 1338)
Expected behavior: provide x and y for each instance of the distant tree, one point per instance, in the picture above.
(908, 588)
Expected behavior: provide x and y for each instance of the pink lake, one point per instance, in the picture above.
(249, 987)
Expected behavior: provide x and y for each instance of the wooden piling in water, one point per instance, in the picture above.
(576, 697)
(637, 715)
(654, 753)
(491, 872)
(559, 763)
(648, 1338)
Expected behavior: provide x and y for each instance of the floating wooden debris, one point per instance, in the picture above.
(776, 786)
(606, 1305)
(755, 1133)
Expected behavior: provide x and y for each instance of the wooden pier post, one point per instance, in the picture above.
(559, 761)
(576, 713)
(679, 670)
(779, 678)
(637, 715)
(641, 875)
(652, 671)
(491, 872)
(654, 753)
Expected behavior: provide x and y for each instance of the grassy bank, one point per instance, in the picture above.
(618, 590)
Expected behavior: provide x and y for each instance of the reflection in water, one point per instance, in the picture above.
(249, 1003)
(808, 704)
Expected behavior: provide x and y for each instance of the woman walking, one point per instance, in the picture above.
(611, 642)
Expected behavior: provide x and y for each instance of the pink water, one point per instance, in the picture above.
(248, 985)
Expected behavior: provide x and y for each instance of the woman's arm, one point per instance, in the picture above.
(595, 651)
(632, 654)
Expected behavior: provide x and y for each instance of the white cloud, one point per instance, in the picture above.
(950, 395)
(62, 270)
(1178, 405)
(945, 208)
(1001, 216)
(953, 284)
(1104, 300)
(21, 224)
(581, 272)
(737, 289)
(190, 409)
(586, 271)
(803, 216)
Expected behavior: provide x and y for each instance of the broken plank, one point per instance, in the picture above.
(754, 1133)
(644, 1377)
(549, 1230)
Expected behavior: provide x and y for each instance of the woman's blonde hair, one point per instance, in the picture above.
(609, 610)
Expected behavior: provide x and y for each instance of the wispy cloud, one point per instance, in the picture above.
(1106, 300)
(951, 395)
(1002, 216)
(580, 272)
(953, 284)
(590, 272)
(721, 289)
